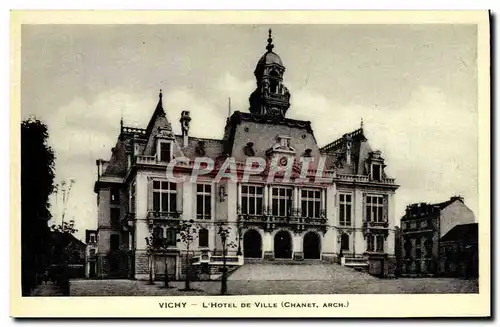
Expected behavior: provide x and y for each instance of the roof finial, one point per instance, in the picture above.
(160, 95)
(270, 45)
(361, 122)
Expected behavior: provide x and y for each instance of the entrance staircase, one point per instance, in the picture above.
(286, 261)
(357, 263)
(289, 270)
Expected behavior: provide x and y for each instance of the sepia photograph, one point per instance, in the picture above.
(188, 160)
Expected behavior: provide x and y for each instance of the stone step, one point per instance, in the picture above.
(288, 262)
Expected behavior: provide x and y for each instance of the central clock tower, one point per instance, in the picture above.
(271, 97)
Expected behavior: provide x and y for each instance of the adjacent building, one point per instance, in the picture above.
(348, 211)
(458, 252)
(422, 227)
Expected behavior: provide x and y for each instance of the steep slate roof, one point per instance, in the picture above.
(461, 232)
(336, 153)
(263, 131)
(213, 148)
(416, 210)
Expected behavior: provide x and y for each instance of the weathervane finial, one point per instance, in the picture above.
(361, 122)
(270, 45)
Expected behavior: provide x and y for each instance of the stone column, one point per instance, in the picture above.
(329, 246)
(141, 225)
(323, 204)
(359, 242)
(237, 197)
(266, 198)
(391, 241)
(298, 251)
(295, 198)
(267, 246)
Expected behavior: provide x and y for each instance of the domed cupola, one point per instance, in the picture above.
(270, 97)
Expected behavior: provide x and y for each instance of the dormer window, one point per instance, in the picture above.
(285, 142)
(376, 172)
(248, 150)
(92, 238)
(164, 151)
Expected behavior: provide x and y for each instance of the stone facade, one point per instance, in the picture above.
(343, 208)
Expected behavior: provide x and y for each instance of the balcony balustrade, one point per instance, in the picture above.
(375, 224)
(164, 216)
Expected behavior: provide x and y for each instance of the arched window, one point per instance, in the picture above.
(203, 238)
(344, 242)
(273, 82)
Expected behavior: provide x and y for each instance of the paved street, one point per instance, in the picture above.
(262, 279)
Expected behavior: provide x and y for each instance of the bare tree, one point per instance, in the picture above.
(188, 233)
(224, 232)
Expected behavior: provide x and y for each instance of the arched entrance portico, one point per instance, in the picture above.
(312, 246)
(282, 245)
(252, 244)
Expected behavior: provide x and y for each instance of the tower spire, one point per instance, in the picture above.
(270, 44)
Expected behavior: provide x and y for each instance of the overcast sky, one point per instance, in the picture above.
(415, 86)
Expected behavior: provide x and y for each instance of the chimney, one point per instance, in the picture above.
(184, 120)
(348, 145)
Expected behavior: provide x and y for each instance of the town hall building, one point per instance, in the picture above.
(346, 217)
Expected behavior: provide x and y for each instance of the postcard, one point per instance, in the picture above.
(250, 164)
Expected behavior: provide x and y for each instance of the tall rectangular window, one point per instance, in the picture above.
(375, 243)
(311, 203)
(204, 201)
(344, 242)
(132, 192)
(252, 199)
(375, 208)
(164, 196)
(165, 151)
(376, 172)
(203, 238)
(281, 201)
(379, 243)
(114, 214)
(345, 207)
(171, 237)
(114, 242)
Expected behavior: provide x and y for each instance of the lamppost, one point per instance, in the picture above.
(223, 233)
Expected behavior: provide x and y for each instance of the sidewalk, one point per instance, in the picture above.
(47, 290)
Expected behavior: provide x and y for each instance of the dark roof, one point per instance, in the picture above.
(461, 232)
(58, 237)
(416, 210)
(262, 131)
(270, 58)
(201, 147)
